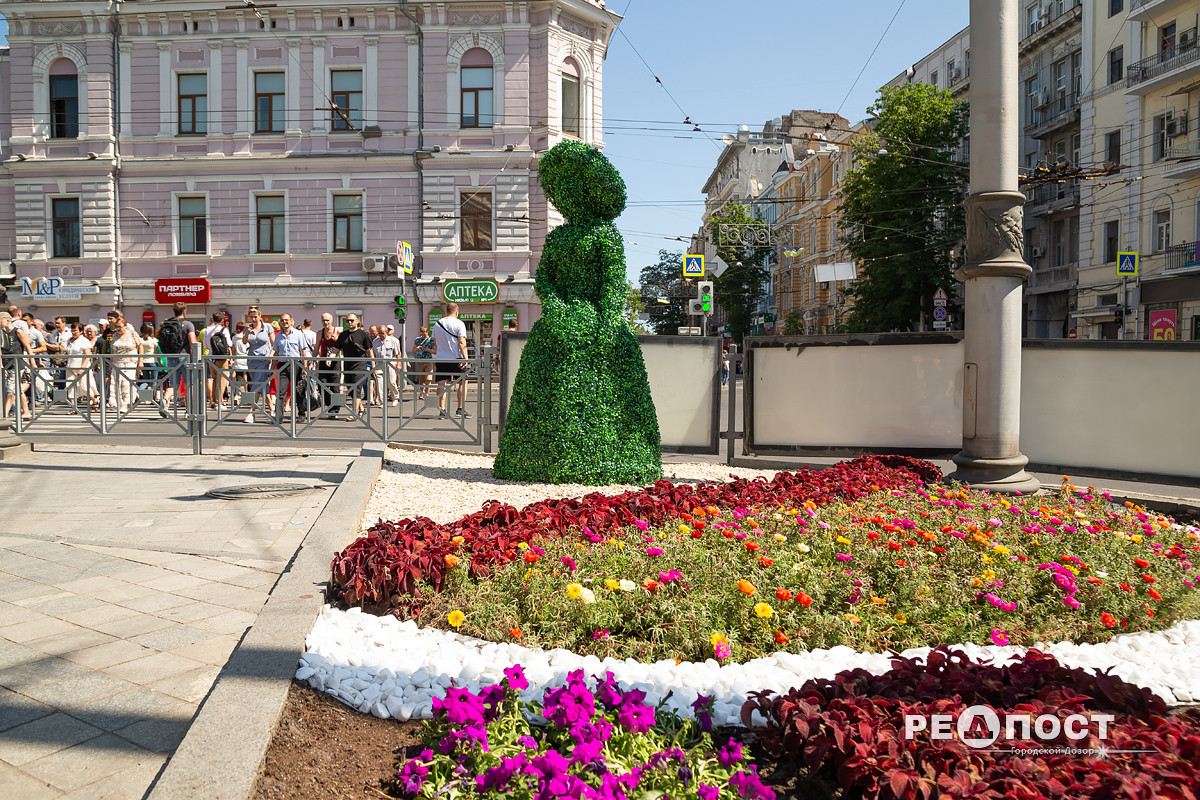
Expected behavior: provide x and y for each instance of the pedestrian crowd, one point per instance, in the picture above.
(278, 364)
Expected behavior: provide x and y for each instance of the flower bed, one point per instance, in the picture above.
(398, 565)
(852, 731)
(907, 567)
(599, 741)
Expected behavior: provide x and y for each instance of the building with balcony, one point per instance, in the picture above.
(1141, 115)
(1051, 74)
(269, 154)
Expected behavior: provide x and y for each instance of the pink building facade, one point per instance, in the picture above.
(270, 155)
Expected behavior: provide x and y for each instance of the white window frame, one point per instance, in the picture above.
(287, 226)
(176, 218)
(329, 231)
(458, 193)
(40, 75)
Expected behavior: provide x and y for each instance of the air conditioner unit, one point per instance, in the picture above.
(824, 285)
(1037, 252)
(956, 74)
(1177, 126)
(1043, 99)
(1187, 38)
(374, 263)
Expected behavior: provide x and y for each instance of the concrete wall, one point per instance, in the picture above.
(1121, 406)
(685, 382)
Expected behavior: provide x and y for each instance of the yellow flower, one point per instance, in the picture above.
(779, 537)
(1137, 538)
(900, 618)
(718, 638)
(612, 585)
(574, 590)
(802, 547)
(612, 541)
(522, 545)
(684, 529)
(791, 512)
(777, 517)
(988, 575)
(456, 618)
(987, 559)
(1002, 550)
(620, 545)
(843, 540)
(976, 582)
(762, 610)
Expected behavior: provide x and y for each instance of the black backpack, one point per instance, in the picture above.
(8, 342)
(218, 345)
(172, 338)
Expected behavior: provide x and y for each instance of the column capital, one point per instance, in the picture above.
(995, 236)
(215, 44)
(164, 47)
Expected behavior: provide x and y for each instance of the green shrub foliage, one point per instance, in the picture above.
(581, 410)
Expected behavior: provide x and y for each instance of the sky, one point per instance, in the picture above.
(724, 65)
(732, 64)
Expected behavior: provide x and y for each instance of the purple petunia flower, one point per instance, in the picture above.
(516, 678)
(730, 754)
(706, 792)
(654, 551)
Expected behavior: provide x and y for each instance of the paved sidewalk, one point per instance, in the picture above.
(123, 591)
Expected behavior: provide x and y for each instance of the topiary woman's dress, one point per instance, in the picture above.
(581, 410)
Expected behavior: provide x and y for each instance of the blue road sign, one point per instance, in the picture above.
(693, 266)
(939, 313)
(1127, 264)
(405, 254)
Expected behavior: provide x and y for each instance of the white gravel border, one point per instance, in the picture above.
(394, 669)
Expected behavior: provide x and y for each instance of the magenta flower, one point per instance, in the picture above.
(601, 635)
(569, 563)
(1000, 637)
(641, 524)
(654, 551)
(844, 557)
(721, 650)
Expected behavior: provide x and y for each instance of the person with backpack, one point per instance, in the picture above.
(13, 342)
(220, 347)
(175, 340)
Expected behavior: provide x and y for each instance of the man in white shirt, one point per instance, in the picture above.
(385, 346)
(450, 361)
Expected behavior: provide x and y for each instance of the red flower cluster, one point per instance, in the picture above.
(849, 732)
(382, 570)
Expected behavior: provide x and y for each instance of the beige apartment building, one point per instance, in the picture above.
(1141, 114)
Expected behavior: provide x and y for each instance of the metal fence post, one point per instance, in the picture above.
(485, 397)
(735, 358)
(193, 372)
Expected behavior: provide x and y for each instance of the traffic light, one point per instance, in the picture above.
(705, 294)
(400, 308)
(695, 307)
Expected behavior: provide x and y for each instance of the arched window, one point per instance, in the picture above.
(477, 86)
(570, 97)
(64, 100)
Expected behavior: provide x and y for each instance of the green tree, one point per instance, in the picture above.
(665, 279)
(793, 324)
(634, 306)
(902, 211)
(741, 287)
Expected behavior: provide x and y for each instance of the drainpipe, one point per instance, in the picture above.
(418, 160)
(118, 294)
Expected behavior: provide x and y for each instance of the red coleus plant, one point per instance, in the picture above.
(851, 730)
(385, 569)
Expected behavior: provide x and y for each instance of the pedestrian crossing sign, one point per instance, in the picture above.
(693, 266)
(1127, 264)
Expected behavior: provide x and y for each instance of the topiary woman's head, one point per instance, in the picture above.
(581, 182)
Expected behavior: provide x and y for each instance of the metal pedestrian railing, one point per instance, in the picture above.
(205, 396)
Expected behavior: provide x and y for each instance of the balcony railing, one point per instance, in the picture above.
(1181, 150)
(1166, 60)
(1049, 276)
(1062, 111)
(1053, 196)
(1050, 24)
(1181, 256)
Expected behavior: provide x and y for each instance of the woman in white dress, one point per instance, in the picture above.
(126, 347)
(79, 364)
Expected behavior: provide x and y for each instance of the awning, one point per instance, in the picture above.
(1099, 314)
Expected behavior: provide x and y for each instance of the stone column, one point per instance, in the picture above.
(995, 270)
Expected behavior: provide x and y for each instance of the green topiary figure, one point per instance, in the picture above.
(581, 410)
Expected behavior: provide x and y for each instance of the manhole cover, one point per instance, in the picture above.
(261, 490)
